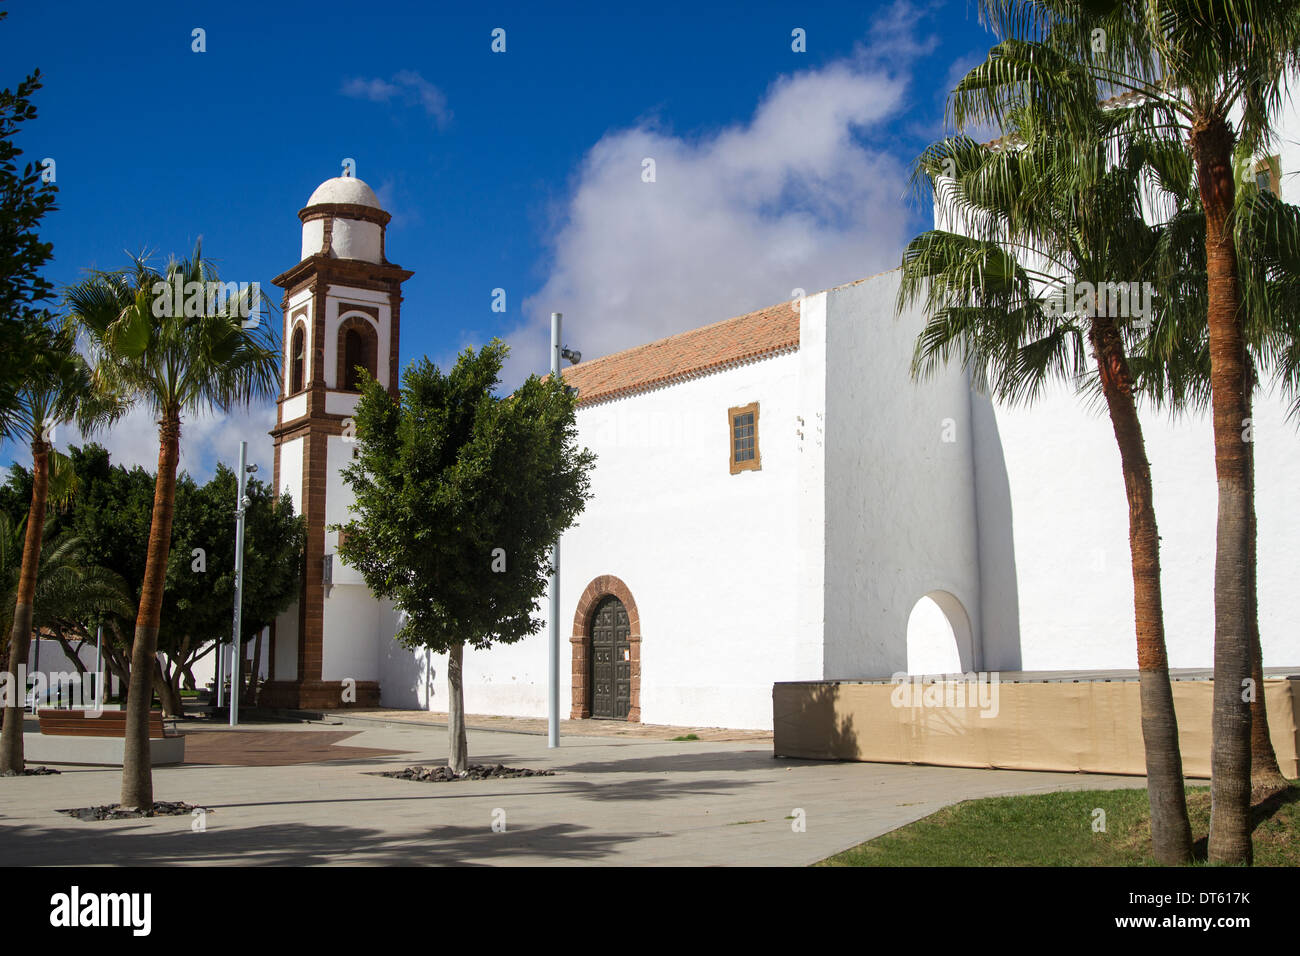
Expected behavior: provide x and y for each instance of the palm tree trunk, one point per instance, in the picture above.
(1265, 775)
(1229, 842)
(137, 767)
(1171, 833)
(11, 737)
(457, 747)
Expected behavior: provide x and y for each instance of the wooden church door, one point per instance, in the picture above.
(611, 661)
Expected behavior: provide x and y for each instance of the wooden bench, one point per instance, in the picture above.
(109, 723)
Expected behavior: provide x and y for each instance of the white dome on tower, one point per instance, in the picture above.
(343, 220)
(344, 189)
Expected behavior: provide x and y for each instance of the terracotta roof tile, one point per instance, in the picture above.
(711, 348)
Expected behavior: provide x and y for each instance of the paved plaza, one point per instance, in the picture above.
(307, 794)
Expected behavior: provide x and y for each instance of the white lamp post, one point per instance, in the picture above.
(553, 683)
(241, 505)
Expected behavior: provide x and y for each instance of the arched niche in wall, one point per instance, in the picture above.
(939, 636)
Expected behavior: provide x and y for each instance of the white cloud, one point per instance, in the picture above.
(205, 439)
(895, 35)
(407, 86)
(797, 197)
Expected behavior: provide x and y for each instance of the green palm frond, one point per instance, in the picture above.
(146, 349)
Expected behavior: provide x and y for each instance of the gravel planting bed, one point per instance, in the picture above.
(160, 809)
(475, 771)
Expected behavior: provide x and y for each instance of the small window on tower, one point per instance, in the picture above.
(299, 354)
(743, 423)
(358, 346)
(354, 354)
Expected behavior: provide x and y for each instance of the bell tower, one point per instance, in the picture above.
(342, 309)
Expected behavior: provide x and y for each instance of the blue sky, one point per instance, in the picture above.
(521, 170)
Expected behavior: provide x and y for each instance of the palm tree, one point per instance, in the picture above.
(1193, 65)
(56, 386)
(1045, 223)
(1175, 371)
(146, 350)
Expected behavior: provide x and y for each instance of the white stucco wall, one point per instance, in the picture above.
(291, 471)
(351, 620)
(1071, 534)
(349, 239)
(286, 624)
(286, 644)
(355, 239)
(725, 569)
(294, 407)
(313, 237)
(900, 489)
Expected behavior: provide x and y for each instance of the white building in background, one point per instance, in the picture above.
(775, 499)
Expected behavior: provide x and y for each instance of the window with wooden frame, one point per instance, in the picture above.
(1268, 175)
(742, 424)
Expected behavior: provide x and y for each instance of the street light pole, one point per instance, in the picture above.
(99, 667)
(553, 716)
(240, 504)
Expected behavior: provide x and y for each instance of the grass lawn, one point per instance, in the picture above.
(1056, 829)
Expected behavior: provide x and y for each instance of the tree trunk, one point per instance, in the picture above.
(137, 767)
(70, 653)
(1265, 775)
(457, 747)
(1171, 833)
(84, 685)
(11, 737)
(1229, 842)
(117, 662)
(162, 684)
(187, 666)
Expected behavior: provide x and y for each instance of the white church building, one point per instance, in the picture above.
(775, 499)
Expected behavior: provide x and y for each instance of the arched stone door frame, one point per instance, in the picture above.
(607, 585)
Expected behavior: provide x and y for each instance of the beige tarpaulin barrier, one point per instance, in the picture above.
(1088, 726)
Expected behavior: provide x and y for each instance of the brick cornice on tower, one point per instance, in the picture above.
(344, 210)
(376, 276)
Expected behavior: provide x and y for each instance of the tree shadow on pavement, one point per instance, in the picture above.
(304, 844)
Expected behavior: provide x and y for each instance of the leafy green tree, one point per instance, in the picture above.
(1021, 299)
(55, 386)
(459, 496)
(146, 349)
(24, 201)
(71, 593)
(1192, 66)
(200, 588)
(110, 515)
